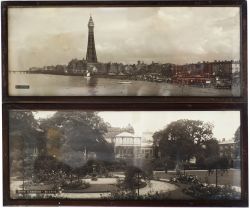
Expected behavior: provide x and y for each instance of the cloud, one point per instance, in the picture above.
(45, 36)
(144, 121)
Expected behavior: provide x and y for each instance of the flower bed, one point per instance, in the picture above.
(123, 195)
(201, 191)
(185, 179)
(78, 184)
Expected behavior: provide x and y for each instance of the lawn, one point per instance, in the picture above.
(232, 177)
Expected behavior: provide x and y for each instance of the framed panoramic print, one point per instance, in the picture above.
(90, 50)
(125, 103)
(153, 156)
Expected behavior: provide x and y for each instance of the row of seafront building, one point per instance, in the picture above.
(76, 66)
(201, 72)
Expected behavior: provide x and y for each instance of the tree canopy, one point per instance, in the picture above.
(237, 141)
(25, 132)
(25, 135)
(24, 124)
(183, 139)
(72, 133)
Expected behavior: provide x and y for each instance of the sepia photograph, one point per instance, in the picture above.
(125, 155)
(124, 51)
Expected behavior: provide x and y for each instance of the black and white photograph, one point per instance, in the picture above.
(124, 51)
(125, 155)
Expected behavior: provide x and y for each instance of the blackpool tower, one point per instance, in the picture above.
(91, 53)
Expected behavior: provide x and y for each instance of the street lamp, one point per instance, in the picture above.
(94, 178)
(94, 166)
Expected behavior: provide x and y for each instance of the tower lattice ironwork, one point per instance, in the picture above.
(91, 52)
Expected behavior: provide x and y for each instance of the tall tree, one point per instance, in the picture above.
(237, 142)
(22, 122)
(209, 151)
(79, 133)
(25, 136)
(183, 139)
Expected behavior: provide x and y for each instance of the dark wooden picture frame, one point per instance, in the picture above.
(120, 107)
(127, 103)
(91, 99)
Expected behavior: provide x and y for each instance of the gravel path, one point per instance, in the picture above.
(84, 195)
(153, 187)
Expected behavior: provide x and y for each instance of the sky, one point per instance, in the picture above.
(225, 122)
(50, 36)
